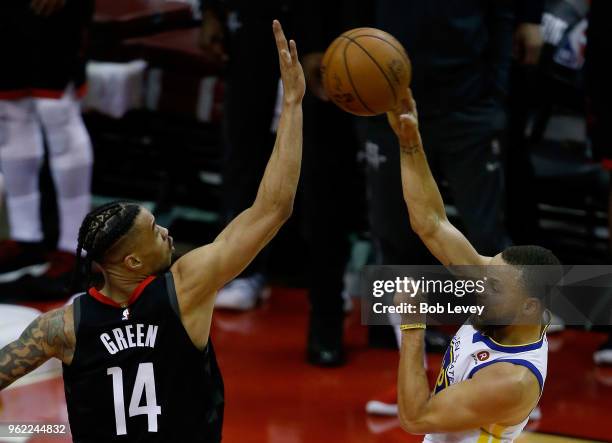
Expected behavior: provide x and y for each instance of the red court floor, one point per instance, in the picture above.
(273, 396)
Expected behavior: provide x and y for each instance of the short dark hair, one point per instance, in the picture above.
(541, 269)
(100, 230)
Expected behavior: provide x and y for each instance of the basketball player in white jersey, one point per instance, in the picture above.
(492, 376)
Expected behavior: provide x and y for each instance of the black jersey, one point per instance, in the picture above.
(136, 375)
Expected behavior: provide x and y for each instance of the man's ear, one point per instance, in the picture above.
(132, 262)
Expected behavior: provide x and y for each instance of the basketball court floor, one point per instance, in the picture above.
(273, 396)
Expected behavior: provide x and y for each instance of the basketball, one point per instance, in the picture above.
(365, 70)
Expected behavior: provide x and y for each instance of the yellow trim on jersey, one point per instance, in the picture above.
(484, 436)
(498, 432)
(494, 434)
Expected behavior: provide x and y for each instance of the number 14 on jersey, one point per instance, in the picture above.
(145, 383)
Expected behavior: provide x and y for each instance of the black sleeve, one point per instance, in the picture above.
(529, 11)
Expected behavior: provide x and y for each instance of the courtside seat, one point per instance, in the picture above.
(572, 192)
(175, 137)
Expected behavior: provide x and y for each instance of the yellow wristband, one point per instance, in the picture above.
(413, 326)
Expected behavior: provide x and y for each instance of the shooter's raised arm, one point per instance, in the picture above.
(426, 208)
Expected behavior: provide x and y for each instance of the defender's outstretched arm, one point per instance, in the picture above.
(199, 274)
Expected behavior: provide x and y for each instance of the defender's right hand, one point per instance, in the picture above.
(292, 75)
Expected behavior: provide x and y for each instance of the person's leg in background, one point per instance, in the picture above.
(603, 354)
(599, 88)
(333, 197)
(252, 86)
(470, 157)
(70, 162)
(521, 208)
(21, 156)
(394, 241)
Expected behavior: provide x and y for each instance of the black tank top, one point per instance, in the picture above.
(136, 375)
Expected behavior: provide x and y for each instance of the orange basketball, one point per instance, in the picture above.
(365, 70)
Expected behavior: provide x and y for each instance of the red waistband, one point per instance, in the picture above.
(16, 94)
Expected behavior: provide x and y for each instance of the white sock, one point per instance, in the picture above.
(24, 218)
(72, 211)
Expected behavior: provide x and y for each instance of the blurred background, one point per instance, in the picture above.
(174, 104)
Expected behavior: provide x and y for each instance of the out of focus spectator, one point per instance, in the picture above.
(521, 215)
(333, 182)
(461, 57)
(239, 32)
(41, 81)
(461, 54)
(599, 88)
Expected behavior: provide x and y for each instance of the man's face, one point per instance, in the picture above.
(504, 295)
(150, 245)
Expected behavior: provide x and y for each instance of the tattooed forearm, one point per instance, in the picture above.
(23, 355)
(47, 336)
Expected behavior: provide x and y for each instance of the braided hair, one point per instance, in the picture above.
(100, 230)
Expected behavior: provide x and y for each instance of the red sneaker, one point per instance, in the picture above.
(55, 283)
(384, 404)
(18, 259)
(61, 262)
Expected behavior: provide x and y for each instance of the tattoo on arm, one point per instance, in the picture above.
(410, 149)
(47, 336)
(60, 334)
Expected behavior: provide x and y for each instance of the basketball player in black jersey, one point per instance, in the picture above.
(138, 362)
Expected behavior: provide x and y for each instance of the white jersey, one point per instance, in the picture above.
(470, 351)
